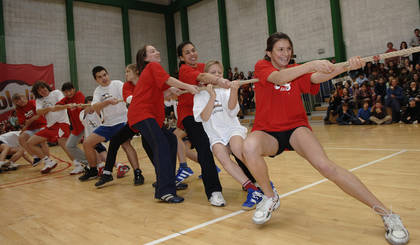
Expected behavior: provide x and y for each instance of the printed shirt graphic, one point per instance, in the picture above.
(112, 114)
(90, 121)
(223, 121)
(280, 107)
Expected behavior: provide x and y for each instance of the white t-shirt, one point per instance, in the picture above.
(223, 123)
(53, 117)
(10, 138)
(112, 114)
(90, 121)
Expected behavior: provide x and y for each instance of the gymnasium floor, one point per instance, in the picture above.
(58, 209)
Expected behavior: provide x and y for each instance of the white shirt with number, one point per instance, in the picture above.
(223, 122)
(90, 121)
(112, 114)
(53, 117)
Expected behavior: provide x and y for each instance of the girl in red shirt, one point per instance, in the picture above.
(192, 72)
(146, 114)
(281, 124)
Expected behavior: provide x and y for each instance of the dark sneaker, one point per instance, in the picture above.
(90, 173)
(105, 178)
(179, 186)
(138, 177)
(36, 161)
(170, 198)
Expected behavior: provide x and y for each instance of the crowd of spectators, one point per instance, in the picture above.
(245, 92)
(381, 92)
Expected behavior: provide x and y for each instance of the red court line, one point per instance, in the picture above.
(40, 178)
(43, 178)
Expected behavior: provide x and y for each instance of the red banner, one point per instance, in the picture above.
(19, 79)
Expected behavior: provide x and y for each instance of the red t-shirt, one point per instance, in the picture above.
(28, 111)
(127, 90)
(280, 108)
(187, 74)
(147, 99)
(76, 124)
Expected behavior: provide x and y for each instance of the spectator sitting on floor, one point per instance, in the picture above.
(378, 115)
(394, 99)
(335, 102)
(361, 79)
(380, 90)
(413, 91)
(347, 85)
(364, 113)
(412, 114)
(404, 78)
(347, 98)
(346, 115)
(364, 94)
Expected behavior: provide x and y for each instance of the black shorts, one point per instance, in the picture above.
(283, 138)
(100, 148)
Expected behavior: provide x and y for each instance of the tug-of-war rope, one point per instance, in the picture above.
(402, 52)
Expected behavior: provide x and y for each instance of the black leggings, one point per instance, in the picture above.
(200, 141)
(161, 148)
(117, 140)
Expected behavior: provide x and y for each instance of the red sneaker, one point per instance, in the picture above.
(122, 170)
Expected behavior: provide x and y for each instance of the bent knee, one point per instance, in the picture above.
(250, 148)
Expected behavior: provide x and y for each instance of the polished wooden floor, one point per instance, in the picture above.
(58, 209)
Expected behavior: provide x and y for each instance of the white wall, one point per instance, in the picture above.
(148, 28)
(247, 31)
(99, 41)
(369, 24)
(203, 22)
(308, 23)
(33, 38)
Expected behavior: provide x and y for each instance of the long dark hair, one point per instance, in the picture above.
(272, 39)
(179, 50)
(37, 85)
(140, 59)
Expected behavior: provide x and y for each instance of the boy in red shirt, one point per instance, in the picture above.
(31, 123)
(71, 96)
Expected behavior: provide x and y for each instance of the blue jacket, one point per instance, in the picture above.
(364, 114)
(397, 91)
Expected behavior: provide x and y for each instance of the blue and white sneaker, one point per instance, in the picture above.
(252, 199)
(183, 173)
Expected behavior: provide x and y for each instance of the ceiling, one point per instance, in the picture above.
(161, 2)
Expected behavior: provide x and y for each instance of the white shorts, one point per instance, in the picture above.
(240, 131)
(32, 132)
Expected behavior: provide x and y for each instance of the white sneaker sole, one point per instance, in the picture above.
(262, 221)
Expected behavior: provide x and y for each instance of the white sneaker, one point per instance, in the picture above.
(2, 163)
(396, 233)
(49, 165)
(78, 168)
(217, 199)
(12, 166)
(265, 208)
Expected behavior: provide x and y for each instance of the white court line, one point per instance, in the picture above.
(166, 238)
(367, 149)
